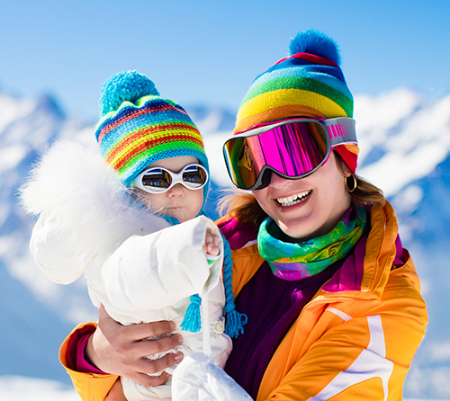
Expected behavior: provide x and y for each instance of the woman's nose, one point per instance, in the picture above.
(277, 182)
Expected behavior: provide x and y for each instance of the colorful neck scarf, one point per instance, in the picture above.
(294, 261)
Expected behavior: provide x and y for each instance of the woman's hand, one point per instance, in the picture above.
(122, 350)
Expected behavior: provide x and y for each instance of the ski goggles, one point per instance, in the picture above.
(157, 180)
(292, 149)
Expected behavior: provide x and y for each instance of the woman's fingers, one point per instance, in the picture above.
(148, 366)
(150, 381)
(135, 332)
(151, 347)
(122, 350)
(142, 331)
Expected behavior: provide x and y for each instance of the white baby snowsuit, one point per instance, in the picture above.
(137, 265)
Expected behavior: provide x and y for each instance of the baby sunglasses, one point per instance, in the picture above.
(292, 149)
(157, 180)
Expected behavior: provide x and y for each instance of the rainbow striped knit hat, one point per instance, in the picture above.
(138, 127)
(308, 83)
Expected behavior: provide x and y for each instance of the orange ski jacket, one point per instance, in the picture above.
(353, 344)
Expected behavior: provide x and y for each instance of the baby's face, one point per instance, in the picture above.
(179, 201)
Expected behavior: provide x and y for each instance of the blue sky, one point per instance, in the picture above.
(210, 51)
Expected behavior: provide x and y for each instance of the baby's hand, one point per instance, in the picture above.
(212, 242)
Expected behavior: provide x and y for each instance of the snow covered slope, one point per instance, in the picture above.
(405, 150)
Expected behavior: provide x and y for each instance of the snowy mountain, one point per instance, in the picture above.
(405, 150)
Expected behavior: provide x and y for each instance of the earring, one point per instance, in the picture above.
(351, 186)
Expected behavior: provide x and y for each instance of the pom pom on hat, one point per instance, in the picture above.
(128, 86)
(307, 83)
(317, 43)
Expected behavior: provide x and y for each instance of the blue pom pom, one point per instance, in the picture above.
(317, 43)
(125, 86)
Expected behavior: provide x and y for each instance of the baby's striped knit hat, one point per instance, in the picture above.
(308, 83)
(138, 127)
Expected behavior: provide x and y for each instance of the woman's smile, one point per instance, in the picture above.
(294, 199)
(306, 207)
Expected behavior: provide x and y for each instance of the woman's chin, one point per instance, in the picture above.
(302, 228)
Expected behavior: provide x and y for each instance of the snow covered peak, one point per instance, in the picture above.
(402, 138)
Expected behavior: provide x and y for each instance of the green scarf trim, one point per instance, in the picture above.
(294, 261)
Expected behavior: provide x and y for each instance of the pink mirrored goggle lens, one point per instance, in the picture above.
(293, 150)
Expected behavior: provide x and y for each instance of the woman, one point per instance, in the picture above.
(332, 298)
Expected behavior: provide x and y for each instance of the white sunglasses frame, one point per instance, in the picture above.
(177, 178)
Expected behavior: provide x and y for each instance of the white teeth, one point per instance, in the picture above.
(292, 200)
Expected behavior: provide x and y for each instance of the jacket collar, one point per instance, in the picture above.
(363, 275)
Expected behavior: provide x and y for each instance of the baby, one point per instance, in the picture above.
(134, 225)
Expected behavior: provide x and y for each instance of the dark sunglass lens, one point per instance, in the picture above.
(156, 178)
(194, 176)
